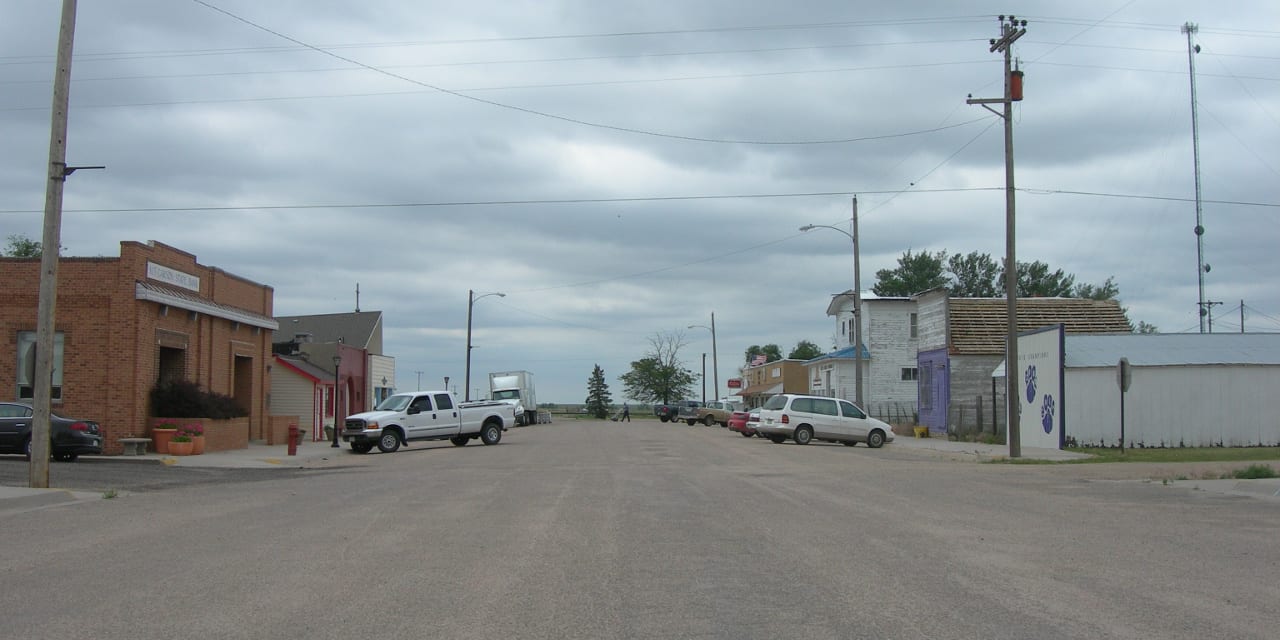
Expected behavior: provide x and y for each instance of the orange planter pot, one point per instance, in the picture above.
(197, 445)
(161, 437)
(181, 448)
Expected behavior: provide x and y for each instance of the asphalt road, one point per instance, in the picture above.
(602, 530)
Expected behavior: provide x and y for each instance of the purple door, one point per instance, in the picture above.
(934, 389)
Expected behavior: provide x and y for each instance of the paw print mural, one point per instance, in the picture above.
(1030, 378)
(1046, 413)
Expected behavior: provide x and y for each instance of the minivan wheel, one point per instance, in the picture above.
(850, 443)
(875, 439)
(804, 434)
(777, 439)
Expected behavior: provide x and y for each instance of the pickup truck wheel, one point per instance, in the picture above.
(804, 434)
(459, 441)
(490, 433)
(662, 418)
(710, 421)
(389, 441)
(692, 422)
(361, 447)
(875, 439)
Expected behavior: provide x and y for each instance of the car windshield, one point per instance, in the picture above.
(510, 394)
(393, 403)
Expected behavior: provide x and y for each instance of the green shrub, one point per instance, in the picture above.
(185, 399)
(1254, 472)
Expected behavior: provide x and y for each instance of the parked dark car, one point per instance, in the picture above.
(69, 438)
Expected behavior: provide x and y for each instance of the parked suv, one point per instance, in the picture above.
(808, 418)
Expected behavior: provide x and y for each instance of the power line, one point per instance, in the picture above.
(544, 114)
(729, 196)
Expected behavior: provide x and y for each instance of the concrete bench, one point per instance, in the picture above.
(135, 446)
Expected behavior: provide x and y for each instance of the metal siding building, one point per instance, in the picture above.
(1194, 390)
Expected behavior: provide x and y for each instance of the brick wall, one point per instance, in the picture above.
(278, 432)
(111, 352)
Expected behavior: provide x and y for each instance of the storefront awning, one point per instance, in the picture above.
(768, 389)
(179, 300)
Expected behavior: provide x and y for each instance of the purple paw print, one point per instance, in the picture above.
(1030, 378)
(1046, 414)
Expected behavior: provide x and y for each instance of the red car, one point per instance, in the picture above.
(738, 422)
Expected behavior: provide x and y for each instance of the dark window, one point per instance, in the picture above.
(825, 407)
(849, 410)
(915, 326)
(421, 403)
(910, 373)
(444, 401)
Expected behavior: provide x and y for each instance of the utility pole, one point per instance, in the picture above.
(1242, 315)
(51, 243)
(857, 311)
(1010, 30)
(1203, 307)
(1208, 307)
(419, 379)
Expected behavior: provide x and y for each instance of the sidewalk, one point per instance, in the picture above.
(979, 451)
(255, 456)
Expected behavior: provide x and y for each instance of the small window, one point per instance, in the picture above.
(27, 365)
(910, 373)
(443, 401)
(915, 328)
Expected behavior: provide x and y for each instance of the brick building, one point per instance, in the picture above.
(123, 324)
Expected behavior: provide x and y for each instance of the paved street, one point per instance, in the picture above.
(601, 530)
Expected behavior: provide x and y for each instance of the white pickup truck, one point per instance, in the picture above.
(426, 415)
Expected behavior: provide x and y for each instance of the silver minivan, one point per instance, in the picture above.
(807, 418)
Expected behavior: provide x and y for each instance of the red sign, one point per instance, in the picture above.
(735, 383)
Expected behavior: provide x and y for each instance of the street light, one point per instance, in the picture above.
(715, 362)
(337, 380)
(471, 302)
(857, 301)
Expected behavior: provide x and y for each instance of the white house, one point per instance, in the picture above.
(889, 344)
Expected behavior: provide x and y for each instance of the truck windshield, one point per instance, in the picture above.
(510, 394)
(393, 403)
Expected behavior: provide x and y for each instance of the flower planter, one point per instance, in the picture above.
(197, 445)
(180, 448)
(162, 438)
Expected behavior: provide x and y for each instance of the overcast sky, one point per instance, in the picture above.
(620, 170)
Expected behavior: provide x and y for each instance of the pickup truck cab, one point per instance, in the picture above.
(426, 415)
(711, 414)
(671, 412)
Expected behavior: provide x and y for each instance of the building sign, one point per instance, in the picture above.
(735, 383)
(1040, 387)
(173, 277)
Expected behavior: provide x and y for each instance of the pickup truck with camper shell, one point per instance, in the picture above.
(713, 413)
(426, 415)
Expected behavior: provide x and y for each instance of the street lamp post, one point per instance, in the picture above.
(471, 302)
(337, 381)
(715, 361)
(857, 300)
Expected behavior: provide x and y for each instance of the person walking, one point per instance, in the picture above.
(626, 413)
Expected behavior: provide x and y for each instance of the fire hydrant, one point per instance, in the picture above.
(293, 439)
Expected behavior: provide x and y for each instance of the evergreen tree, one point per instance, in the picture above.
(598, 399)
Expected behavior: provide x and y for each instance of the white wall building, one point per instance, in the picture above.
(889, 342)
(1193, 390)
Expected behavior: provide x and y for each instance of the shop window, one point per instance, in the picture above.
(27, 365)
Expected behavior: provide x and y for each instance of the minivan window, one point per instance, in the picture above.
(824, 407)
(775, 403)
(850, 410)
(802, 405)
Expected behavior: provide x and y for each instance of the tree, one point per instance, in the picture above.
(805, 350)
(771, 352)
(598, 399)
(1036, 281)
(974, 276)
(914, 273)
(660, 375)
(1108, 290)
(1145, 328)
(21, 246)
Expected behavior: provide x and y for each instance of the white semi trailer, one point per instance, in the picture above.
(516, 387)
